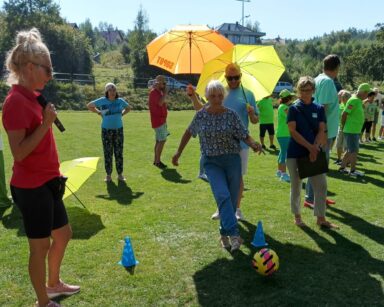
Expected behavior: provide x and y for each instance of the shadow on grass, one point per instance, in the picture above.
(84, 223)
(172, 175)
(362, 180)
(339, 274)
(375, 233)
(121, 193)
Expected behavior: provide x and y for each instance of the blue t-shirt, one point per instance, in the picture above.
(307, 117)
(219, 134)
(326, 94)
(111, 112)
(236, 101)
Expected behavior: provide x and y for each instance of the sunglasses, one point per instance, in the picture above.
(231, 78)
(306, 90)
(47, 69)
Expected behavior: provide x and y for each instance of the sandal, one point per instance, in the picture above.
(299, 222)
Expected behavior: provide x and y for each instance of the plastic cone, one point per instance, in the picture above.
(128, 258)
(258, 239)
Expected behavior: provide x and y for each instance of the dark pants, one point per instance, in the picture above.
(113, 142)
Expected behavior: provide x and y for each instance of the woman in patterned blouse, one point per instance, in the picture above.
(220, 131)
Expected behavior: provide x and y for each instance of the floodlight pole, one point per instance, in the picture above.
(242, 16)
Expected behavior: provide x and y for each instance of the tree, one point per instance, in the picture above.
(86, 28)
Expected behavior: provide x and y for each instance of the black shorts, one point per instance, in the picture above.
(266, 127)
(367, 127)
(42, 210)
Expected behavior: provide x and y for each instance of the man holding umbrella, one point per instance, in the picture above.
(243, 102)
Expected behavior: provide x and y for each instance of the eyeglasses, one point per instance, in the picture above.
(306, 90)
(231, 78)
(48, 69)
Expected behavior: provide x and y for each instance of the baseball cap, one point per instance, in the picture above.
(364, 87)
(285, 93)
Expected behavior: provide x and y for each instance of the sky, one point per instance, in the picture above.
(295, 19)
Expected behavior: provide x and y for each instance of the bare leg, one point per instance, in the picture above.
(60, 239)
(282, 167)
(373, 130)
(158, 150)
(271, 139)
(262, 140)
(38, 249)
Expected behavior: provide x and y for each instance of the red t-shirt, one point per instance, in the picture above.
(158, 112)
(21, 110)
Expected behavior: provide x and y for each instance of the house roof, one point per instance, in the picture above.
(236, 28)
(112, 36)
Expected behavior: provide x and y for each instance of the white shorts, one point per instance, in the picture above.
(244, 153)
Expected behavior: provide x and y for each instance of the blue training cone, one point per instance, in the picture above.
(128, 258)
(258, 239)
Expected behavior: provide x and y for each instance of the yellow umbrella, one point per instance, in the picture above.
(186, 48)
(77, 171)
(260, 66)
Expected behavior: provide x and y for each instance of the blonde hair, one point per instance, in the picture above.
(232, 67)
(304, 81)
(214, 86)
(29, 48)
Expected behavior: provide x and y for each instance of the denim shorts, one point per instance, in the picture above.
(352, 141)
(161, 133)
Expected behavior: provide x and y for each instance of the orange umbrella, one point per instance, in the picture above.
(186, 48)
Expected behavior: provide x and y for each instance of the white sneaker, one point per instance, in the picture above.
(216, 215)
(239, 215)
(224, 240)
(236, 242)
(203, 177)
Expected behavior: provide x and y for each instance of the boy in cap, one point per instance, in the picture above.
(352, 121)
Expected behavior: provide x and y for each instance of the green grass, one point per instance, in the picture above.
(167, 215)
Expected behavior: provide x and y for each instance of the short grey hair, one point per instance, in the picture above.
(304, 81)
(214, 86)
(344, 94)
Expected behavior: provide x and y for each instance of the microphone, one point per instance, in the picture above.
(43, 102)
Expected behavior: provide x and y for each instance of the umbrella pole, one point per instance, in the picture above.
(245, 96)
(190, 52)
(75, 196)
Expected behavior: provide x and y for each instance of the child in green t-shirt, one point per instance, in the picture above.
(266, 115)
(283, 134)
(369, 113)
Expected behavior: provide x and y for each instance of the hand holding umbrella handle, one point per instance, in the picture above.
(190, 90)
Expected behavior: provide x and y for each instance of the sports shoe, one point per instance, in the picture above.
(216, 215)
(236, 242)
(108, 178)
(330, 201)
(278, 173)
(203, 177)
(239, 215)
(374, 139)
(62, 289)
(50, 304)
(337, 162)
(343, 170)
(273, 147)
(285, 177)
(121, 177)
(160, 165)
(308, 204)
(224, 240)
(263, 146)
(355, 173)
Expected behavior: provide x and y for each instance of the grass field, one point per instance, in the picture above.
(167, 215)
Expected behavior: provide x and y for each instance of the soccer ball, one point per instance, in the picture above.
(265, 261)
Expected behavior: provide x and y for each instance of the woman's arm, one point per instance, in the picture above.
(184, 141)
(126, 110)
(91, 107)
(312, 148)
(321, 137)
(22, 145)
(197, 104)
(256, 147)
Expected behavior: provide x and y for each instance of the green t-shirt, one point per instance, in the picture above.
(265, 106)
(369, 111)
(282, 126)
(355, 118)
(341, 110)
